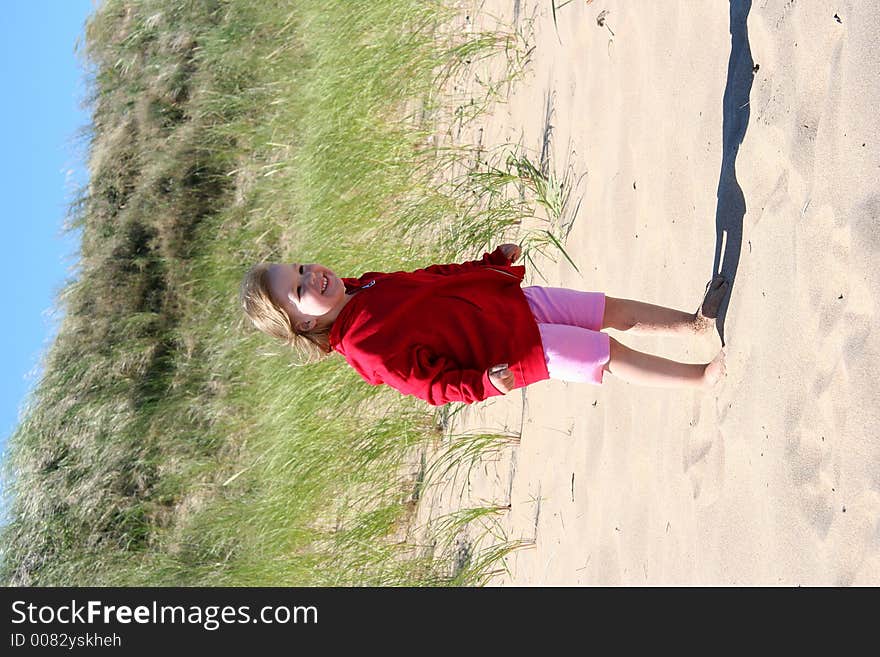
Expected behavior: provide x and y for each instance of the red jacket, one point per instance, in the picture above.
(434, 332)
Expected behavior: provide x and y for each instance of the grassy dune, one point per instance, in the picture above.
(167, 442)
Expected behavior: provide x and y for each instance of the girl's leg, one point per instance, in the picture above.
(576, 350)
(645, 369)
(581, 355)
(646, 318)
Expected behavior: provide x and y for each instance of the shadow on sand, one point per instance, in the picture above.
(731, 206)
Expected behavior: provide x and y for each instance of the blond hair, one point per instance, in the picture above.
(271, 319)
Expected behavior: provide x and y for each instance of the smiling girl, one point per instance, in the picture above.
(466, 332)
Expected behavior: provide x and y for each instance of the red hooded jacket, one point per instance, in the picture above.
(434, 332)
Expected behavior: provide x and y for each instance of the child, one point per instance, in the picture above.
(466, 332)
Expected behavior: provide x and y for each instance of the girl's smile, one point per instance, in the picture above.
(307, 292)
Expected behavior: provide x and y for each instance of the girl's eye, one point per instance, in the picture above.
(298, 287)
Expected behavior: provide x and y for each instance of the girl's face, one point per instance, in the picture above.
(307, 292)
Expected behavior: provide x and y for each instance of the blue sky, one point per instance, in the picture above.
(43, 164)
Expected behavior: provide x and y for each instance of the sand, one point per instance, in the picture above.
(773, 477)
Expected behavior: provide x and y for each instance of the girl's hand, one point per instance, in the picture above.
(511, 251)
(502, 378)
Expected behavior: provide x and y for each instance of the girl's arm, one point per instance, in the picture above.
(504, 255)
(436, 379)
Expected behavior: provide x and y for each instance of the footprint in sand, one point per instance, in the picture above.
(703, 459)
(838, 372)
(808, 459)
(860, 541)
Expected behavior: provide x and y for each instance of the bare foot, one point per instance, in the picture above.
(715, 370)
(716, 290)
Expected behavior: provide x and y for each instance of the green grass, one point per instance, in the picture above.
(166, 442)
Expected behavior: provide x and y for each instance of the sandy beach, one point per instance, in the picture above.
(773, 477)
